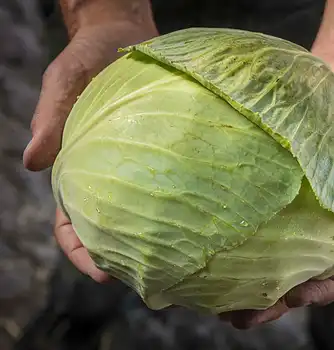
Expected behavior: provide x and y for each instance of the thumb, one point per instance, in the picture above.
(63, 81)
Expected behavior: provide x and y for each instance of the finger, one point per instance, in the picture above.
(75, 251)
(311, 292)
(245, 319)
(62, 82)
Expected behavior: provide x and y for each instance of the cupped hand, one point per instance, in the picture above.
(91, 50)
(74, 250)
(313, 292)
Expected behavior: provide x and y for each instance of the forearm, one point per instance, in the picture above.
(80, 13)
(324, 44)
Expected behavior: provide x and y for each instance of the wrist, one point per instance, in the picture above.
(323, 46)
(85, 13)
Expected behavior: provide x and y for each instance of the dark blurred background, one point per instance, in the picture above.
(45, 304)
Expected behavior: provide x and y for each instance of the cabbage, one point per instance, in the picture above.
(199, 169)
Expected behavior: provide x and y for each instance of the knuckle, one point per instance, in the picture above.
(318, 290)
(312, 292)
(67, 72)
(323, 292)
(55, 71)
(79, 71)
(64, 68)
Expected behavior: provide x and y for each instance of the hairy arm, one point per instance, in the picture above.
(82, 13)
(323, 46)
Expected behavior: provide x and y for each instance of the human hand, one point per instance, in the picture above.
(323, 49)
(74, 250)
(92, 48)
(97, 29)
(312, 292)
(325, 55)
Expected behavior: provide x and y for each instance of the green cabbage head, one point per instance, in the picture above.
(199, 169)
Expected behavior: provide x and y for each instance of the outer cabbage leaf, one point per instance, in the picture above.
(276, 84)
(293, 247)
(158, 175)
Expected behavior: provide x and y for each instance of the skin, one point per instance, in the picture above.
(96, 28)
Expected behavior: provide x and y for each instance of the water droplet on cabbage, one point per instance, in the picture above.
(244, 223)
